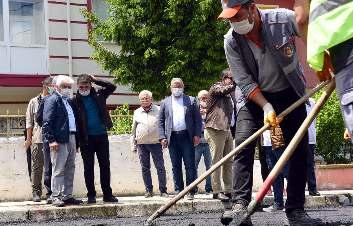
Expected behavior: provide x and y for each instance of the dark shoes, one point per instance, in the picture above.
(58, 203)
(111, 199)
(190, 196)
(299, 217)
(49, 200)
(164, 195)
(91, 200)
(36, 197)
(73, 201)
(148, 194)
(221, 196)
(314, 193)
(236, 214)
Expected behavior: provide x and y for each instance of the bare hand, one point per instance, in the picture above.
(92, 78)
(346, 135)
(196, 140)
(164, 143)
(28, 143)
(54, 146)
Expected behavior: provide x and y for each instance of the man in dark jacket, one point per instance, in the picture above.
(59, 129)
(220, 110)
(94, 121)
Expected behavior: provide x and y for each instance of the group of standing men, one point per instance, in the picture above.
(58, 125)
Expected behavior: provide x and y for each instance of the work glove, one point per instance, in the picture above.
(325, 74)
(269, 115)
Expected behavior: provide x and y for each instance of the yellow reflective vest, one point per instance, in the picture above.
(330, 23)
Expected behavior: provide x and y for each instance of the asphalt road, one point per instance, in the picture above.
(342, 216)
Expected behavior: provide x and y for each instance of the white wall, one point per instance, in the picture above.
(125, 171)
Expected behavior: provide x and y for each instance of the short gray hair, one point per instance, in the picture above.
(174, 80)
(201, 93)
(60, 79)
(145, 92)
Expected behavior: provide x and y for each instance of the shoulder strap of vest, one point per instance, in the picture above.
(246, 53)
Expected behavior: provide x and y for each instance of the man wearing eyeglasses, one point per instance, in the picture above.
(93, 123)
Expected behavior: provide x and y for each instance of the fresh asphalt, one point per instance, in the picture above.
(340, 216)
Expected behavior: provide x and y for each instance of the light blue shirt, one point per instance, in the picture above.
(70, 113)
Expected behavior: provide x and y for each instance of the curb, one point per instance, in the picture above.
(127, 208)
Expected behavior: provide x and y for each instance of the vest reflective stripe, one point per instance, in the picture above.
(328, 27)
(326, 7)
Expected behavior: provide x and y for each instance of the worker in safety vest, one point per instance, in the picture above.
(330, 47)
(261, 54)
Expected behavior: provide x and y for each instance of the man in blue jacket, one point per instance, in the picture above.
(59, 129)
(261, 53)
(180, 127)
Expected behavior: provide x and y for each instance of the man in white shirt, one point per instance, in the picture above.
(180, 127)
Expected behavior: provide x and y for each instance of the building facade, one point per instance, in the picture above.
(39, 38)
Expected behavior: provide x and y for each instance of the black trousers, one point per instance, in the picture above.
(98, 144)
(249, 120)
(47, 168)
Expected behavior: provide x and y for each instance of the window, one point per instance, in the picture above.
(100, 8)
(1, 22)
(26, 18)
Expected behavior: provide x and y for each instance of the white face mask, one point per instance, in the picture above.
(66, 92)
(242, 27)
(177, 92)
(84, 93)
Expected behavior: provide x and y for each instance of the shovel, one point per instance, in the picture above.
(288, 152)
(234, 152)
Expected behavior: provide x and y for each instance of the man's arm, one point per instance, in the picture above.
(133, 133)
(108, 87)
(49, 114)
(241, 77)
(219, 89)
(29, 124)
(301, 9)
(161, 122)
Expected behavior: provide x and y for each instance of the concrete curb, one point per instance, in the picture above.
(137, 206)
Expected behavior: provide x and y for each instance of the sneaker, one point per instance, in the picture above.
(73, 201)
(58, 203)
(148, 194)
(111, 199)
(299, 217)
(164, 195)
(91, 200)
(314, 193)
(273, 208)
(220, 196)
(190, 196)
(36, 197)
(236, 214)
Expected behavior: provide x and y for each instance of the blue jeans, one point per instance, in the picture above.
(154, 150)
(204, 149)
(278, 185)
(181, 149)
(311, 169)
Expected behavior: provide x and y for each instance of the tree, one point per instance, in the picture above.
(330, 127)
(159, 40)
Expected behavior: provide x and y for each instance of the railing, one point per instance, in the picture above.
(12, 125)
(15, 125)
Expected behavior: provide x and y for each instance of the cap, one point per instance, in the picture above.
(230, 8)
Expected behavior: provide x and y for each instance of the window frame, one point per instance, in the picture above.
(6, 25)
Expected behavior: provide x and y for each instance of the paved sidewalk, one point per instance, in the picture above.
(140, 206)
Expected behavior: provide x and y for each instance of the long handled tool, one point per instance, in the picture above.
(234, 152)
(285, 156)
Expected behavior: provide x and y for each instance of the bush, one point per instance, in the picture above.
(122, 120)
(330, 129)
